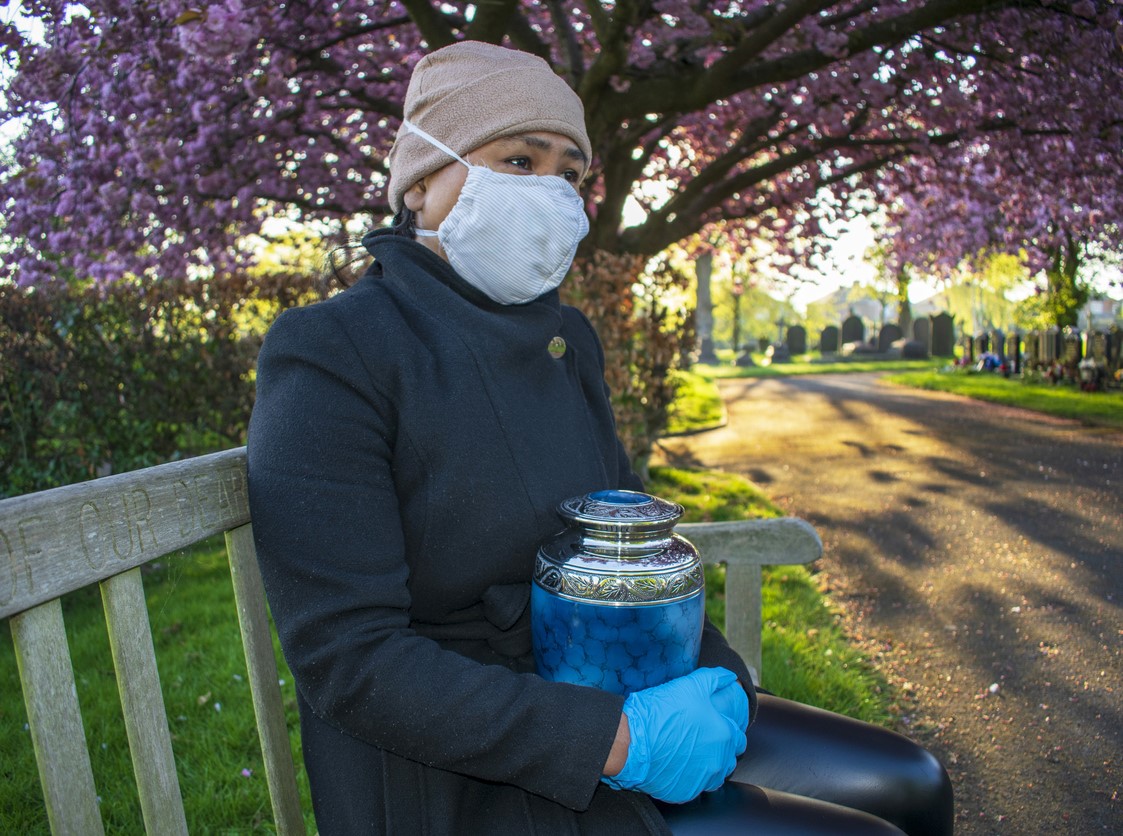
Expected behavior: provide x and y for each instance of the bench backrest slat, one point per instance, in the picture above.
(57, 541)
(55, 722)
(744, 547)
(146, 721)
(261, 667)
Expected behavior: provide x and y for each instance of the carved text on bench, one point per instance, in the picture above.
(123, 525)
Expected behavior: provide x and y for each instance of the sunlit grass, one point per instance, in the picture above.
(813, 364)
(697, 405)
(1063, 400)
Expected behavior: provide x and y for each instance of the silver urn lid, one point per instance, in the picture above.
(620, 549)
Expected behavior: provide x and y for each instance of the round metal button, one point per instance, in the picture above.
(556, 348)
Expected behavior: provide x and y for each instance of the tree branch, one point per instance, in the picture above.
(433, 25)
(356, 32)
(567, 37)
(679, 94)
(491, 20)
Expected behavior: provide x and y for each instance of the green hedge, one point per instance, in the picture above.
(104, 379)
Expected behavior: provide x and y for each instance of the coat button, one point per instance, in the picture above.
(556, 348)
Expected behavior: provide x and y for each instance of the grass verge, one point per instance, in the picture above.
(697, 405)
(1101, 409)
(811, 364)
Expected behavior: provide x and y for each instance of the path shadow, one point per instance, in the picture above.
(760, 476)
(882, 476)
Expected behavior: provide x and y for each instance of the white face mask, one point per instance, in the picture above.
(513, 236)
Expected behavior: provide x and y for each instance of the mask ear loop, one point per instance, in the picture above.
(436, 143)
(432, 140)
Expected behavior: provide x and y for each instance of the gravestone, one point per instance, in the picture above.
(1114, 341)
(1070, 347)
(922, 333)
(853, 330)
(967, 343)
(1013, 352)
(828, 340)
(889, 334)
(997, 341)
(797, 339)
(777, 353)
(943, 335)
(704, 310)
(981, 344)
(1095, 352)
(1031, 350)
(1050, 345)
(908, 350)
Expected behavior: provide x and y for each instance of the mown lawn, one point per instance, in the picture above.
(1064, 400)
(813, 364)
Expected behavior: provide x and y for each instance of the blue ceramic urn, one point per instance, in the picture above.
(618, 598)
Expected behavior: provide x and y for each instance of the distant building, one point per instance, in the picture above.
(1099, 314)
(848, 300)
(930, 306)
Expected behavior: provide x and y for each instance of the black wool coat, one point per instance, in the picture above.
(409, 444)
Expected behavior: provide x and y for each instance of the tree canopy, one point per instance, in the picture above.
(154, 135)
(1047, 178)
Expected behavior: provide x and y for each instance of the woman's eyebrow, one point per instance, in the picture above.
(571, 151)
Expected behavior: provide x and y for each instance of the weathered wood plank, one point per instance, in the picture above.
(776, 542)
(744, 614)
(142, 704)
(43, 657)
(63, 539)
(261, 664)
(744, 546)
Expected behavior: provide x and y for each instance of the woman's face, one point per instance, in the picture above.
(538, 152)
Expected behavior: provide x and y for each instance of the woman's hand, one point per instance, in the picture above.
(682, 738)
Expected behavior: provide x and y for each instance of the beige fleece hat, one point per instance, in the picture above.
(468, 94)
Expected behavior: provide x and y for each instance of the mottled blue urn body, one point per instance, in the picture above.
(618, 598)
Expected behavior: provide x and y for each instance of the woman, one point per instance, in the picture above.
(410, 442)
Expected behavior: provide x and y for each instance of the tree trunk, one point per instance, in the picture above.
(1067, 294)
(643, 340)
(704, 313)
(904, 311)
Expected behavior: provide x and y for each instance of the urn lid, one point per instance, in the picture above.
(620, 512)
(619, 549)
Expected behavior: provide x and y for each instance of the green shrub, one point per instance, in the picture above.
(103, 379)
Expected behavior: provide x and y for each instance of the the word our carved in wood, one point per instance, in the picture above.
(71, 536)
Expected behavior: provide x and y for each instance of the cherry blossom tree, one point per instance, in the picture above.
(1045, 181)
(156, 134)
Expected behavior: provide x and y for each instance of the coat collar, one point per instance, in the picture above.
(395, 253)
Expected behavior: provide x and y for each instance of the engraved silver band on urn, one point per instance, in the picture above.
(620, 550)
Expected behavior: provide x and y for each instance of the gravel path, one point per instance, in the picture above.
(978, 553)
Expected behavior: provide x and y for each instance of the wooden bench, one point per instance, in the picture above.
(103, 531)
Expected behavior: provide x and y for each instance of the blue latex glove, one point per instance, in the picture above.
(685, 736)
(733, 702)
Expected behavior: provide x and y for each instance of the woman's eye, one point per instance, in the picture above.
(571, 176)
(519, 162)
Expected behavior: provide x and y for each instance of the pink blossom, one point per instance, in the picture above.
(156, 135)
